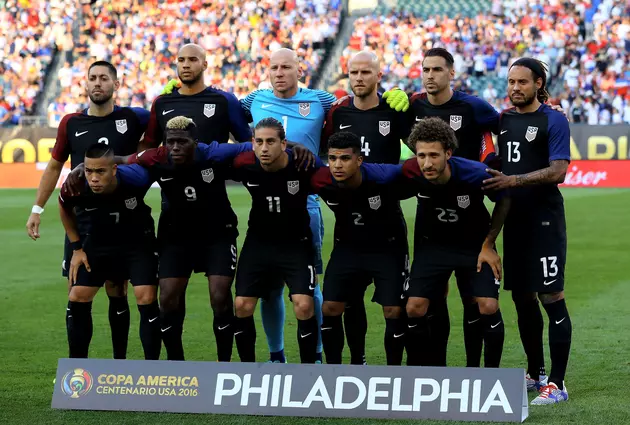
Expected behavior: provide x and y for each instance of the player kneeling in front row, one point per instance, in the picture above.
(370, 242)
(453, 233)
(112, 237)
(278, 246)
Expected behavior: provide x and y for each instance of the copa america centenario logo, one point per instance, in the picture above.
(77, 383)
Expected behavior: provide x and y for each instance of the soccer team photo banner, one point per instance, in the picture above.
(343, 391)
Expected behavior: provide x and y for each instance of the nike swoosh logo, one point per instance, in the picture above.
(266, 105)
(252, 184)
(304, 336)
(140, 154)
(494, 326)
(167, 112)
(237, 333)
(233, 267)
(422, 196)
(90, 209)
(332, 203)
(410, 326)
(503, 131)
(164, 330)
(224, 327)
(549, 283)
(67, 309)
(152, 320)
(398, 336)
(120, 312)
(561, 320)
(311, 287)
(326, 329)
(473, 321)
(341, 126)
(77, 134)
(418, 119)
(165, 179)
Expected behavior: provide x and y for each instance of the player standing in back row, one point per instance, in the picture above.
(535, 150)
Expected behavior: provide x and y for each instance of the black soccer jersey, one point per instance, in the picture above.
(115, 219)
(122, 130)
(367, 216)
(215, 112)
(278, 198)
(529, 142)
(452, 214)
(380, 129)
(196, 196)
(472, 119)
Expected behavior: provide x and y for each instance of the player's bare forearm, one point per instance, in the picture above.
(554, 174)
(500, 212)
(69, 221)
(48, 182)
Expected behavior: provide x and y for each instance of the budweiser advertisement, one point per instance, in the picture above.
(608, 173)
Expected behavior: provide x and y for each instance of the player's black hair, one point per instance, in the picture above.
(433, 129)
(345, 140)
(109, 66)
(99, 150)
(270, 122)
(183, 124)
(443, 53)
(539, 70)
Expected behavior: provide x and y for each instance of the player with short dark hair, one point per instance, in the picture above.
(534, 144)
(370, 243)
(112, 238)
(453, 233)
(117, 127)
(278, 247)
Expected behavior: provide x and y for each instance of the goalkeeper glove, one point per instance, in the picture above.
(397, 99)
(170, 86)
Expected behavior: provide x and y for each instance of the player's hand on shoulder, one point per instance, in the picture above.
(170, 86)
(397, 99)
(304, 158)
(499, 181)
(558, 108)
(79, 258)
(340, 100)
(490, 256)
(75, 181)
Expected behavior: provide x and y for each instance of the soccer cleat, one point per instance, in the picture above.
(534, 385)
(318, 362)
(276, 361)
(551, 394)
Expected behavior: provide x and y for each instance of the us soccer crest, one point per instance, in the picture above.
(293, 187)
(207, 175)
(456, 122)
(305, 109)
(121, 126)
(463, 201)
(208, 109)
(383, 127)
(375, 202)
(530, 135)
(131, 203)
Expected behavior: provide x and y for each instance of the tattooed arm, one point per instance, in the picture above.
(554, 174)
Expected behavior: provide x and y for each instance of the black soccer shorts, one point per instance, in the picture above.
(535, 250)
(351, 269)
(432, 267)
(264, 265)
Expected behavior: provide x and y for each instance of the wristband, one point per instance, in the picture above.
(37, 209)
(76, 245)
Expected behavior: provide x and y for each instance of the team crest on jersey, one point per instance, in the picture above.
(207, 175)
(131, 203)
(293, 187)
(456, 122)
(375, 202)
(208, 109)
(530, 135)
(463, 201)
(383, 127)
(121, 126)
(305, 109)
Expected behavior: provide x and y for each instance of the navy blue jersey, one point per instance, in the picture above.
(197, 201)
(215, 112)
(278, 198)
(367, 215)
(472, 119)
(113, 219)
(529, 142)
(121, 130)
(451, 214)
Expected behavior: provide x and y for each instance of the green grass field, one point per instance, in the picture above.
(33, 335)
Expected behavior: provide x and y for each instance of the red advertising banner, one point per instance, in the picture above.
(609, 173)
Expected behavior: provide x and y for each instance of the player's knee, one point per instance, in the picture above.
(116, 289)
(391, 312)
(488, 306)
(145, 294)
(244, 306)
(303, 306)
(220, 296)
(417, 307)
(551, 297)
(332, 308)
(82, 294)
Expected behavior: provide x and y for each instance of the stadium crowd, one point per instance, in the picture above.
(142, 39)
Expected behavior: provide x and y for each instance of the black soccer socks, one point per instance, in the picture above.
(307, 339)
(559, 340)
(440, 325)
(119, 318)
(395, 330)
(79, 327)
(530, 327)
(417, 339)
(171, 331)
(245, 335)
(332, 338)
(150, 333)
(223, 327)
(493, 336)
(355, 321)
(473, 335)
